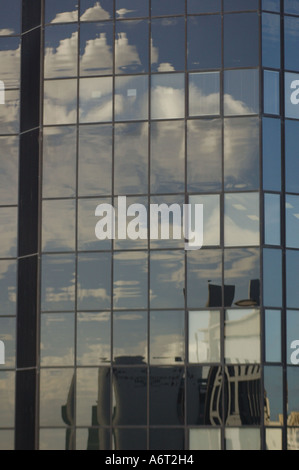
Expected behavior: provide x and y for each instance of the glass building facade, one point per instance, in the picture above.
(141, 344)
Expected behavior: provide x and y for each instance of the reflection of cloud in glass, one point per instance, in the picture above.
(95, 99)
(8, 174)
(242, 336)
(9, 113)
(130, 280)
(65, 17)
(125, 53)
(10, 61)
(97, 48)
(62, 60)
(168, 96)
(57, 339)
(131, 98)
(93, 338)
(204, 336)
(7, 402)
(241, 226)
(130, 335)
(96, 12)
(60, 102)
(58, 227)
(8, 232)
(54, 391)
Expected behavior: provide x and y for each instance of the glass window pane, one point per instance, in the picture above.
(131, 159)
(292, 221)
(60, 102)
(167, 279)
(168, 157)
(56, 439)
(169, 225)
(291, 38)
(130, 392)
(204, 336)
(272, 154)
(204, 94)
(56, 397)
(272, 219)
(130, 280)
(98, 439)
(8, 337)
(204, 439)
(129, 439)
(293, 337)
(167, 337)
(130, 337)
(241, 277)
(273, 439)
(96, 49)
(57, 339)
(168, 45)
(131, 8)
(8, 232)
(7, 440)
(204, 154)
(242, 439)
(291, 6)
(10, 53)
(61, 51)
(87, 240)
(292, 279)
(95, 99)
(94, 289)
(211, 217)
(9, 113)
(205, 6)
(10, 19)
(292, 156)
(240, 5)
(241, 219)
(241, 39)
(135, 235)
(58, 283)
(95, 160)
(8, 174)
(92, 383)
(7, 402)
(131, 46)
(93, 10)
(204, 42)
(167, 439)
(271, 5)
(168, 96)
(61, 11)
(273, 335)
(241, 92)
(271, 92)
(8, 282)
(271, 40)
(131, 98)
(241, 154)
(273, 395)
(291, 95)
(93, 338)
(242, 336)
(204, 279)
(166, 398)
(293, 395)
(168, 7)
(58, 228)
(272, 278)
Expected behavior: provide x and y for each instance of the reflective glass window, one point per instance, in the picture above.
(93, 338)
(291, 6)
(130, 280)
(60, 102)
(168, 225)
(8, 232)
(95, 99)
(292, 156)
(167, 157)
(58, 227)
(166, 398)
(241, 154)
(240, 5)
(272, 219)
(129, 439)
(271, 92)
(56, 392)
(10, 53)
(272, 278)
(241, 219)
(205, 6)
(135, 235)
(130, 392)
(58, 283)
(211, 217)
(292, 279)
(130, 337)
(96, 48)
(57, 339)
(168, 44)
(10, 112)
(167, 438)
(56, 439)
(204, 42)
(131, 8)
(241, 39)
(92, 383)
(10, 22)
(8, 282)
(167, 279)
(292, 95)
(273, 439)
(272, 154)
(100, 439)
(292, 221)
(204, 439)
(293, 337)
(131, 158)
(167, 339)
(204, 94)
(87, 241)
(271, 5)
(204, 280)
(168, 7)
(95, 160)
(293, 438)
(242, 439)
(59, 174)
(241, 277)
(204, 155)
(291, 38)
(168, 96)
(61, 51)
(204, 336)
(94, 289)
(7, 402)
(131, 98)
(8, 174)
(241, 92)
(242, 336)
(271, 40)
(273, 335)
(61, 11)
(93, 10)
(7, 440)
(8, 337)
(293, 395)
(273, 395)
(131, 46)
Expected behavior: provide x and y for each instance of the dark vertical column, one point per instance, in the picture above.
(27, 303)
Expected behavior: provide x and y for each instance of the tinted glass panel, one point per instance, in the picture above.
(271, 92)
(58, 282)
(273, 335)
(291, 42)
(204, 336)
(8, 337)
(94, 290)
(8, 232)
(130, 439)
(271, 40)
(87, 240)
(131, 8)
(8, 281)
(93, 338)
(204, 94)
(7, 402)
(166, 397)
(167, 279)
(205, 6)
(7, 441)
(168, 7)
(204, 439)
(292, 221)
(10, 22)
(92, 383)
(241, 39)
(96, 49)
(272, 154)
(60, 102)
(130, 389)
(272, 219)
(168, 45)
(241, 224)
(8, 174)
(292, 156)
(273, 439)
(291, 6)
(242, 336)
(58, 228)
(131, 98)
(57, 339)
(170, 439)
(204, 42)
(272, 278)
(56, 397)
(95, 99)
(241, 92)
(9, 113)
(56, 439)
(292, 279)
(168, 225)
(167, 342)
(242, 439)
(211, 217)
(131, 47)
(61, 11)
(99, 439)
(130, 280)
(61, 50)
(293, 337)
(291, 95)
(135, 235)
(271, 5)
(273, 395)
(10, 49)
(130, 337)
(293, 395)
(92, 10)
(239, 5)
(168, 96)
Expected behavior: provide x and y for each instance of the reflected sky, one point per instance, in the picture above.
(61, 51)
(272, 219)
(167, 279)
(92, 10)
(131, 46)
(58, 282)
(96, 49)
(168, 44)
(95, 100)
(130, 280)
(241, 38)
(52, 439)
(272, 284)
(171, 242)
(271, 40)
(10, 19)
(10, 51)
(242, 439)
(86, 225)
(292, 332)
(239, 5)
(60, 102)
(57, 339)
(139, 228)
(292, 279)
(130, 336)
(291, 41)
(94, 284)
(274, 395)
(7, 402)
(204, 41)
(168, 7)
(92, 389)
(292, 156)
(8, 232)
(204, 336)
(242, 336)
(241, 223)
(241, 92)
(167, 342)
(204, 94)
(293, 392)
(58, 227)
(205, 6)
(9, 113)
(211, 217)
(131, 8)
(204, 439)
(61, 11)
(8, 281)
(55, 387)
(8, 336)
(273, 335)
(168, 96)
(7, 441)
(93, 338)
(8, 174)
(131, 98)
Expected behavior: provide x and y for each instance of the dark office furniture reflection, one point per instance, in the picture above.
(215, 295)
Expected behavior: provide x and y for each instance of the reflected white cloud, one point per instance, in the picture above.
(95, 13)
(97, 48)
(62, 60)
(10, 66)
(66, 17)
